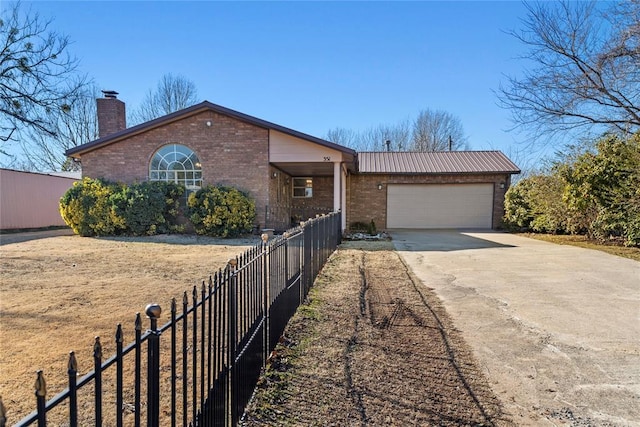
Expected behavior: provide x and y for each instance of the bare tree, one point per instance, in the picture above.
(375, 138)
(430, 131)
(342, 136)
(37, 75)
(173, 93)
(74, 126)
(586, 74)
(437, 130)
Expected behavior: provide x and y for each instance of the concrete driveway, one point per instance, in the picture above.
(555, 328)
(8, 238)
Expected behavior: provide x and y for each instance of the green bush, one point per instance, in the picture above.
(149, 208)
(602, 186)
(535, 203)
(221, 211)
(596, 193)
(94, 207)
(87, 209)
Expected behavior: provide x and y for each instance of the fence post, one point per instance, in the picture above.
(3, 414)
(153, 367)
(41, 394)
(233, 336)
(97, 368)
(73, 396)
(265, 294)
(119, 377)
(174, 310)
(138, 368)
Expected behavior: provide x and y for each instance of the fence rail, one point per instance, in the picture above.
(206, 371)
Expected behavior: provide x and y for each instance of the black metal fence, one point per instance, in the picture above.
(205, 372)
(282, 217)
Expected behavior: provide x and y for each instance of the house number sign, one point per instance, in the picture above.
(327, 158)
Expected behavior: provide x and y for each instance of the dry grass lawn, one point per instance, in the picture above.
(372, 347)
(58, 293)
(614, 248)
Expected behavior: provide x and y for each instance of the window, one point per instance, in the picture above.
(176, 163)
(302, 187)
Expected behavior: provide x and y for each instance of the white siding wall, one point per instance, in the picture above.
(31, 200)
(287, 148)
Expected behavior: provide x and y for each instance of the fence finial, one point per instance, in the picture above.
(264, 237)
(119, 335)
(73, 363)
(138, 324)
(97, 349)
(3, 414)
(153, 311)
(41, 385)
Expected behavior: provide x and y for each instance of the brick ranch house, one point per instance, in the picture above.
(293, 176)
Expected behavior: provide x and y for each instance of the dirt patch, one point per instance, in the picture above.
(372, 347)
(58, 293)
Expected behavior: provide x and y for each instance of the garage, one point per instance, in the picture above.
(440, 205)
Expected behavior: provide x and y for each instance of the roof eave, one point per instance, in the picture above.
(195, 109)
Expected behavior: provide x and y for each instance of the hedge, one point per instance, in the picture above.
(221, 211)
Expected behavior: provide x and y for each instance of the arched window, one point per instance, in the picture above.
(176, 163)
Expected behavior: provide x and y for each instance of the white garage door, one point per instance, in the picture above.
(439, 205)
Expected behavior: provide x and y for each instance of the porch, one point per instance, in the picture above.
(306, 179)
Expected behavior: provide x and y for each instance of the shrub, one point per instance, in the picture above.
(603, 186)
(87, 209)
(596, 193)
(358, 227)
(149, 208)
(221, 211)
(363, 227)
(536, 203)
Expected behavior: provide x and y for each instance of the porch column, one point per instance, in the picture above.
(344, 199)
(337, 175)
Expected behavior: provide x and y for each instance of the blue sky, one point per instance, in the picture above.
(310, 66)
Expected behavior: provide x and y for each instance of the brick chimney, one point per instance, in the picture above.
(111, 114)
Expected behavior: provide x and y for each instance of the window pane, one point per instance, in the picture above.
(176, 163)
(302, 187)
(181, 158)
(184, 151)
(155, 162)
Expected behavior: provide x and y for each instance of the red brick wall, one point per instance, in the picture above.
(321, 202)
(111, 116)
(232, 153)
(365, 202)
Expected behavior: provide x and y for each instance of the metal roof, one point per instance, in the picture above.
(440, 162)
